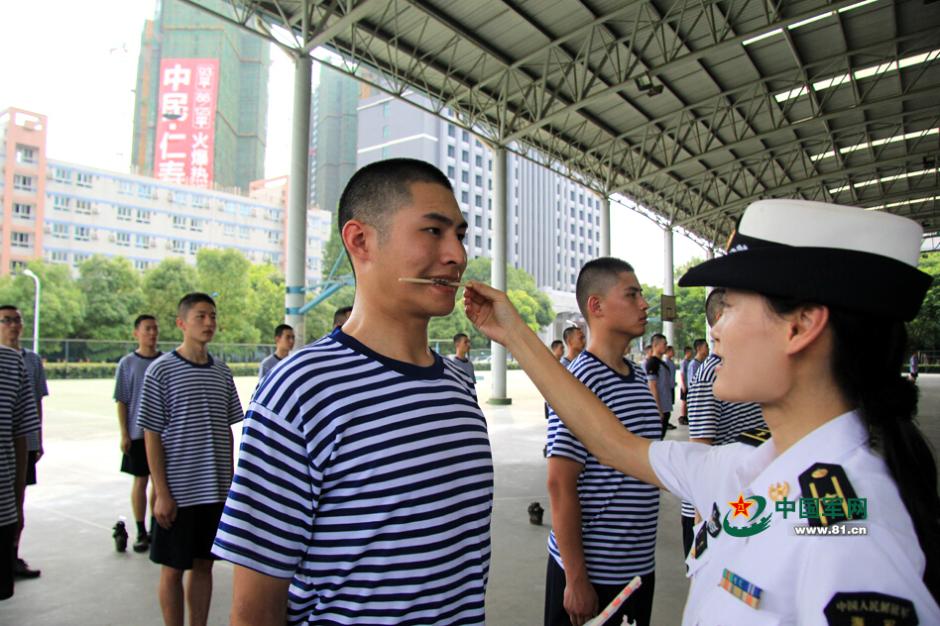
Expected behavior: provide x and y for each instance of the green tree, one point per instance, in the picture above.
(267, 299)
(924, 330)
(689, 324)
(224, 273)
(518, 283)
(113, 297)
(61, 302)
(163, 286)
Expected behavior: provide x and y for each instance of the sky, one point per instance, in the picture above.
(76, 63)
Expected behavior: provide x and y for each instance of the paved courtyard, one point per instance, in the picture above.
(81, 494)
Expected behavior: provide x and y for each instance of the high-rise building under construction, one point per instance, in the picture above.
(201, 99)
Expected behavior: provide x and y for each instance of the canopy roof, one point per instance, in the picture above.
(694, 108)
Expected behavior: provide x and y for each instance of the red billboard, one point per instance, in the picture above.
(186, 121)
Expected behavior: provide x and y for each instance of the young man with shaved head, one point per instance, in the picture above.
(603, 522)
(365, 480)
(574, 344)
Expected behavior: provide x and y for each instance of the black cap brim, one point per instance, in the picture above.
(847, 279)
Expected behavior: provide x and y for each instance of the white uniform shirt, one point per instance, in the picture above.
(799, 576)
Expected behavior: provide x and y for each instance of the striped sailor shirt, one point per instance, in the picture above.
(128, 384)
(192, 406)
(368, 482)
(18, 418)
(618, 512)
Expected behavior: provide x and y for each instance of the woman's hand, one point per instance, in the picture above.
(491, 312)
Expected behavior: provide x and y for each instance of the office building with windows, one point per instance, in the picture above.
(238, 107)
(65, 212)
(333, 131)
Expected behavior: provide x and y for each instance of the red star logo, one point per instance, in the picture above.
(741, 507)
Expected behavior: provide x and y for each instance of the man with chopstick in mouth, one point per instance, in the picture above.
(365, 481)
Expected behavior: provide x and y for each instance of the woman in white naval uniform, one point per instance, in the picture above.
(822, 355)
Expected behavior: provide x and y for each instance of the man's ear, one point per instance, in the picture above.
(357, 238)
(595, 306)
(806, 324)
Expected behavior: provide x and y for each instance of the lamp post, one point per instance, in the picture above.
(31, 274)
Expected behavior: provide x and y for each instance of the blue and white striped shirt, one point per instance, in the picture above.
(618, 512)
(711, 418)
(369, 483)
(128, 384)
(192, 407)
(18, 418)
(36, 375)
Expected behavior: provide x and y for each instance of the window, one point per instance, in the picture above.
(20, 240)
(126, 188)
(386, 132)
(196, 225)
(58, 256)
(60, 230)
(26, 154)
(17, 266)
(478, 180)
(180, 197)
(478, 200)
(82, 233)
(465, 177)
(23, 183)
(142, 241)
(179, 222)
(62, 175)
(450, 172)
(146, 191)
(386, 153)
(244, 232)
(230, 207)
(78, 259)
(178, 246)
(123, 239)
(124, 213)
(465, 156)
(465, 136)
(450, 151)
(229, 230)
(478, 160)
(143, 216)
(141, 264)
(386, 109)
(451, 131)
(274, 236)
(22, 210)
(201, 202)
(464, 197)
(84, 179)
(273, 215)
(83, 206)
(194, 247)
(477, 221)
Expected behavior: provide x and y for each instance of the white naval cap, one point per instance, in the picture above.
(842, 256)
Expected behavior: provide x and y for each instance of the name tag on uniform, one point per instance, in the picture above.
(747, 592)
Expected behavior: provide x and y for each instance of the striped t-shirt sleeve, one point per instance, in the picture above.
(235, 413)
(152, 414)
(561, 442)
(270, 508)
(121, 392)
(25, 415)
(704, 409)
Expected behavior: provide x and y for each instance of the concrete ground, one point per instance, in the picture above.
(80, 495)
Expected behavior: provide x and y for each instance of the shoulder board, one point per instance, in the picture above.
(869, 607)
(754, 436)
(836, 500)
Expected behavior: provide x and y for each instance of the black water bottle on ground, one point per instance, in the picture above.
(120, 535)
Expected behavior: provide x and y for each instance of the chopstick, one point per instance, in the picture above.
(432, 281)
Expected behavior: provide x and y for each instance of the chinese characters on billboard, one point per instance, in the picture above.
(186, 121)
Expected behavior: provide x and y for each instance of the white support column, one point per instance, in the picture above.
(297, 201)
(498, 267)
(709, 255)
(668, 286)
(605, 226)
